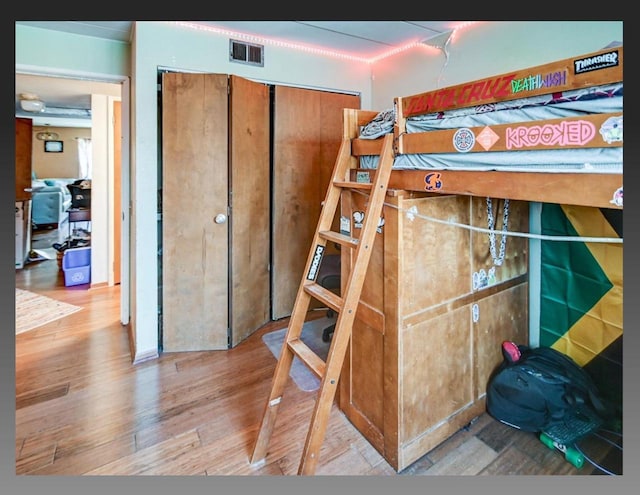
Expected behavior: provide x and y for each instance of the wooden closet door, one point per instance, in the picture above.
(307, 135)
(195, 275)
(250, 199)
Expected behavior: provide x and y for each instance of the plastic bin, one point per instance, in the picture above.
(76, 264)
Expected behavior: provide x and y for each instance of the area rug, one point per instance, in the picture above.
(311, 335)
(34, 310)
(43, 254)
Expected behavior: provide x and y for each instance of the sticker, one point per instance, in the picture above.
(491, 280)
(362, 177)
(432, 181)
(534, 82)
(617, 197)
(597, 62)
(345, 225)
(487, 138)
(566, 133)
(611, 129)
(463, 140)
(315, 262)
(480, 280)
(358, 218)
(412, 212)
(475, 312)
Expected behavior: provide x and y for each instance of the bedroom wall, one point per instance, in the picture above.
(46, 49)
(485, 49)
(159, 44)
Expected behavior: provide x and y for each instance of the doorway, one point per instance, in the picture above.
(110, 180)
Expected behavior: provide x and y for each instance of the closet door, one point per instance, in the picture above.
(249, 198)
(195, 239)
(307, 136)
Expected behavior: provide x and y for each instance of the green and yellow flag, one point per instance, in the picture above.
(581, 291)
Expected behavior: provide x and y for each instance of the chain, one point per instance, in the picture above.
(497, 260)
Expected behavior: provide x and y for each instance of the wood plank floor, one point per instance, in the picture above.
(83, 408)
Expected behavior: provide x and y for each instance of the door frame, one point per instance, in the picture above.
(124, 82)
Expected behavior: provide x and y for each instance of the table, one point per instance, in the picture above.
(79, 215)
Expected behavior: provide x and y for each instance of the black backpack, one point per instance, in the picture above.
(536, 389)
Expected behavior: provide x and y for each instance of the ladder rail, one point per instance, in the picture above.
(346, 307)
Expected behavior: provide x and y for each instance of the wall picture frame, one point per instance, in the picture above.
(53, 146)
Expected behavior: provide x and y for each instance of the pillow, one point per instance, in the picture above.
(50, 182)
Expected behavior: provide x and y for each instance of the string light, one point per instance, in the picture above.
(307, 48)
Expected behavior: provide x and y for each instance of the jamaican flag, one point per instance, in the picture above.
(581, 292)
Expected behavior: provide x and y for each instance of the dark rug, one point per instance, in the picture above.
(311, 335)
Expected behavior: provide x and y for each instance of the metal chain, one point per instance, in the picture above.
(497, 260)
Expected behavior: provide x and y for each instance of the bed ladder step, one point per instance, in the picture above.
(345, 306)
(343, 240)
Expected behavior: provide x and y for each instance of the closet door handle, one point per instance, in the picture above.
(220, 218)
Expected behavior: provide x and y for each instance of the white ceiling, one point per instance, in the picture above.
(358, 38)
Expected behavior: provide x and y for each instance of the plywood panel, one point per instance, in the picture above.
(436, 358)
(437, 373)
(435, 252)
(501, 316)
(373, 288)
(307, 134)
(195, 186)
(250, 215)
(367, 353)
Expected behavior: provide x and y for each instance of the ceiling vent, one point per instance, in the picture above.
(246, 53)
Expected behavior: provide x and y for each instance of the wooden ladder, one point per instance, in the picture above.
(345, 305)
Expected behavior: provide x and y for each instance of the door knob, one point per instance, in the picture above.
(220, 218)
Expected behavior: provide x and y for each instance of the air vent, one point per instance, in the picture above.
(246, 53)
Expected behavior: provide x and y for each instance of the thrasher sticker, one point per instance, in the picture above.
(602, 61)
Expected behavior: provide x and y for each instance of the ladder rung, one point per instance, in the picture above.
(343, 240)
(323, 295)
(308, 357)
(353, 185)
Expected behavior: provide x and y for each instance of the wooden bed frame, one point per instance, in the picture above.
(579, 188)
(426, 337)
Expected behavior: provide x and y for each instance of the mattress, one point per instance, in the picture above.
(586, 101)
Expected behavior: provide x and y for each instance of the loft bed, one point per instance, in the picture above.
(551, 133)
(437, 301)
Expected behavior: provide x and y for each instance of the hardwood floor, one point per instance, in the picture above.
(83, 408)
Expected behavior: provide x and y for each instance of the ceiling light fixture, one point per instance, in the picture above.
(47, 136)
(30, 102)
